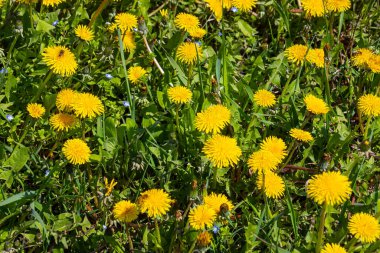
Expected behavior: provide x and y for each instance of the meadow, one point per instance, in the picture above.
(190, 126)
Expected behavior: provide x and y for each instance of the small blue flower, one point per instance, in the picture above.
(3, 71)
(215, 229)
(109, 76)
(126, 103)
(234, 9)
(135, 29)
(9, 117)
(47, 172)
(220, 33)
(104, 227)
(199, 43)
(55, 23)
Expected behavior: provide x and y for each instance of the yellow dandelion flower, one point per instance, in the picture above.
(186, 21)
(333, 248)
(198, 33)
(362, 57)
(262, 161)
(112, 27)
(63, 121)
(76, 151)
(109, 186)
(52, 2)
(125, 211)
(374, 64)
(329, 187)
(164, 13)
(35, 110)
(273, 184)
(301, 135)
(276, 146)
(204, 239)
(315, 105)
(87, 105)
(84, 32)
(60, 59)
(317, 57)
(296, 53)
(315, 8)
(222, 151)
(187, 52)
(136, 74)
(264, 98)
(154, 202)
(179, 95)
(65, 99)
(213, 119)
(216, 8)
(126, 21)
(201, 217)
(129, 43)
(1, 3)
(364, 227)
(244, 5)
(369, 105)
(338, 5)
(218, 202)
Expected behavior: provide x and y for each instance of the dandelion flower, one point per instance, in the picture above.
(315, 105)
(35, 110)
(213, 119)
(364, 227)
(65, 99)
(164, 13)
(60, 59)
(218, 202)
(374, 64)
(129, 43)
(222, 151)
(333, 248)
(52, 2)
(244, 5)
(217, 6)
(201, 217)
(273, 184)
(187, 52)
(264, 98)
(84, 32)
(112, 27)
(362, 57)
(154, 202)
(197, 32)
(296, 53)
(76, 151)
(204, 238)
(338, 5)
(369, 105)
(276, 146)
(109, 186)
(317, 57)
(186, 21)
(1, 3)
(125, 211)
(136, 74)
(262, 161)
(179, 95)
(126, 21)
(301, 135)
(313, 8)
(62, 121)
(329, 187)
(87, 105)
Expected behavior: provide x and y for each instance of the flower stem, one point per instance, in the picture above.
(42, 86)
(215, 178)
(158, 235)
(368, 125)
(193, 246)
(321, 228)
(95, 15)
(129, 239)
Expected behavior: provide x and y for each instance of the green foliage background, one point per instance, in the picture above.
(46, 204)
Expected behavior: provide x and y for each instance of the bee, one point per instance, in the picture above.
(223, 208)
(61, 53)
